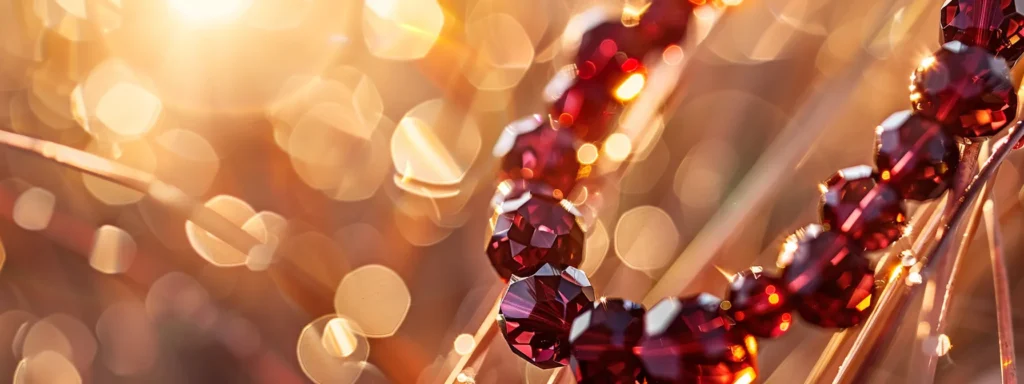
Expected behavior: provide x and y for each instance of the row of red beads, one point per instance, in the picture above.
(550, 317)
(532, 225)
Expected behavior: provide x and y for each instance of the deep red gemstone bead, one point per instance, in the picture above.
(966, 89)
(533, 230)
(665, 22)
(992, 24)
(689, 340)
(608, 52)
(588, 109)
(871, 213)
(828, 279)
(759, 303)
(546, 154)
(915, 156)
(602, 341)
(536, 313)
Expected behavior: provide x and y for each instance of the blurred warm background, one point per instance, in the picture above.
(355, 137)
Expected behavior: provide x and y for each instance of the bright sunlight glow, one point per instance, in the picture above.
(209, 11)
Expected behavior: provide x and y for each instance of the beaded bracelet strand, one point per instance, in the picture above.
(548, 314)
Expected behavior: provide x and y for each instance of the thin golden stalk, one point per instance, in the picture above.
(167, 195)
(1004, 307)
(935, 307)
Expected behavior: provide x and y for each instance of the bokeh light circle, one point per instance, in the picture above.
(646, 238)
(46, 367)
(319, 350)
(432, 145)
(113, 250)
(376, 297)
(209, 247)
(128, 339)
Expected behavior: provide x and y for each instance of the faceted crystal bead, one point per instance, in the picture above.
(688, 340)
(869, 212)
(602, 341)
(759, 303)
(536, 312)
(665, 22)
(829, 281)
(605, 52)
(992, 24)
(966, 89)
(546, 154)
(587, 109)
(915, 156)
(532, 230)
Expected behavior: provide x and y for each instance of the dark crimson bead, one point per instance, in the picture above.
(602, 341)
(608, 52)
(665, 22)
(688, 340)
(546, 154)
(759, 303)
(588, 109)
(915, 156)
(828, 279)
(871, 213)
(966, 89)
(995, 25)
(533, 230)
(536, 312)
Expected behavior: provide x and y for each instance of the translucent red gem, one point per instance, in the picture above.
(871, 213)
(966, 89)
(828, 279)
(915, 156)
(602, 341)
(545, 154)
(587, 108)
(688, 340)
(992, 24)
(759, 303)
(532, 230)
(536, 312)
(608, 52)
(665, 22)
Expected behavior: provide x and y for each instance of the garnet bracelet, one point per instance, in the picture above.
(549, 315)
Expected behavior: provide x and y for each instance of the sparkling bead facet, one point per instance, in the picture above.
(588, 109)
(608, 52)
(966, 89)
(829, 281)
(759, 303)
(915, 156)
(545, 154)
(536, 312)
(687, 340)
(602, 342)
(869, 212)
(992, 24)
(531, 231)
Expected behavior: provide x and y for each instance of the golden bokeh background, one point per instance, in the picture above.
(355, 142)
